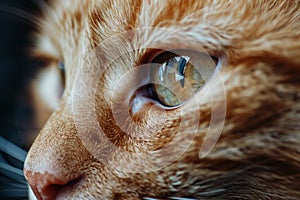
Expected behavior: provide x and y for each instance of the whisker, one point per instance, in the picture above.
(212, 192)
(13, 193)
(171, 198)
(2, 160)
(9, 182)
(40, 4)
(12, 150)
(20, 13)
(12, 181)
(13, 189)
(12, 172)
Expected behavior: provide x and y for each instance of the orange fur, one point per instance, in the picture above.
(258, 153)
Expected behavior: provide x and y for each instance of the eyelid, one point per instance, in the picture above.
(152, 53)
(45, 58)
(163, 56)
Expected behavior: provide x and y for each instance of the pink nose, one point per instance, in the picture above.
(45, 186)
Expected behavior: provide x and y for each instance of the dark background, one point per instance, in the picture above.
(17, 69)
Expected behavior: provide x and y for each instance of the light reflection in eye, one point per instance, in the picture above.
(177, 79)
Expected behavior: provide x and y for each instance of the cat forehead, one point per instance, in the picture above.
(217, 24)
(220, 23)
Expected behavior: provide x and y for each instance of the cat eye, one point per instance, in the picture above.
(62, 77)
(180, 75)
(62, 70)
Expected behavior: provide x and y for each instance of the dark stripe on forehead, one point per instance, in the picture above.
(109, 18)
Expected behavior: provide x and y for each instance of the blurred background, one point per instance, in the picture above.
(17, 71)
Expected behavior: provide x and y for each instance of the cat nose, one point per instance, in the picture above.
(46, 185)
(52, 163)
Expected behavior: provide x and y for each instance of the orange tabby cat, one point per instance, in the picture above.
(171, 99)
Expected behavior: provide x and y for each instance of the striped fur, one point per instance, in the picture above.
(258, 153)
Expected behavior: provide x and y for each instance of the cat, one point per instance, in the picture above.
(169, 99)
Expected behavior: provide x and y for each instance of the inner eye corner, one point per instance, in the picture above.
(216, 59)
(61, 64)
